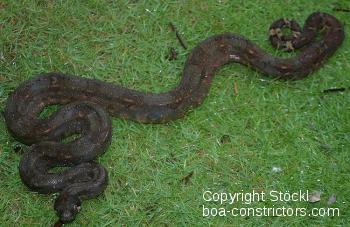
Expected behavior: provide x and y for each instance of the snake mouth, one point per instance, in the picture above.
(66, 217)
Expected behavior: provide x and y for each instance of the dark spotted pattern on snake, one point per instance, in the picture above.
(87, 105)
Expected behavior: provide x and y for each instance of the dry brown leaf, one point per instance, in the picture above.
(314, 197)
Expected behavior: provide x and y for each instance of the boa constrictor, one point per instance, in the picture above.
(87, 104)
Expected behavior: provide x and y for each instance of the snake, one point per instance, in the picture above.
(86, 105)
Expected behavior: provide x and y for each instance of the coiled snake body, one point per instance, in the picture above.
(86, 103)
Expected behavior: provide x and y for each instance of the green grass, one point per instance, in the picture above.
(290, 125)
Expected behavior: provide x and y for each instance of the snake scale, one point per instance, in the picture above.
(88, 103)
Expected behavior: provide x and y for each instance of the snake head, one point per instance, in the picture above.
(67, 206)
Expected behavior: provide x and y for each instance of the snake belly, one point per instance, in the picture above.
(88, 103)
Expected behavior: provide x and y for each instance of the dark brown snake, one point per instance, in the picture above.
(86, 103)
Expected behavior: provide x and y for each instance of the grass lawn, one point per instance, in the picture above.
(231, 143)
